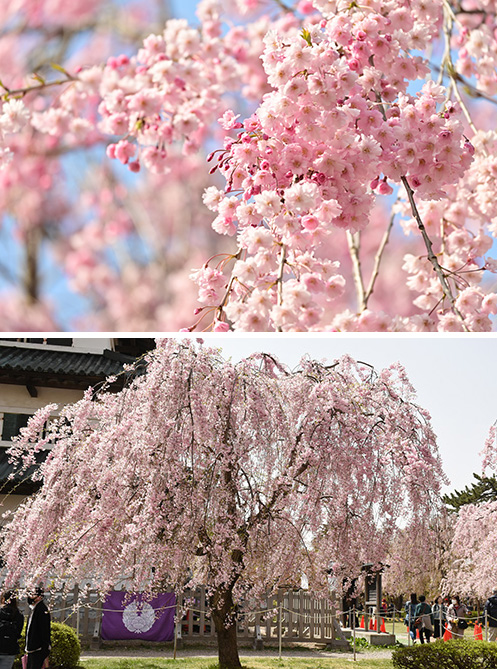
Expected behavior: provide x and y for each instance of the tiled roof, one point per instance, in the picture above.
(58, 362)
(18, 363)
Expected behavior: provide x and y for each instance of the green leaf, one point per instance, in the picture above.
(39, 78)
(59, 68)
(306, 35)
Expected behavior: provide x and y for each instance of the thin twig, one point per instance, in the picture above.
(431, 255)
(378, 258)
(354, 246)
(281, 269)
(448, 64)
(21, 92)
(279, 280)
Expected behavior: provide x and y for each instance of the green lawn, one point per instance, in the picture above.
(248, 663)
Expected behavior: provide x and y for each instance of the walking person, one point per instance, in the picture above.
(456, 614)
(491, 609)
(11, 624)
(439, 611)
(38, 631)
(423, 620)
(410, 609)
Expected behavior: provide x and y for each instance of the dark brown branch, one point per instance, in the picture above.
(446, 289)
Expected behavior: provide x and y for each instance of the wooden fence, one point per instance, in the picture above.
(293, 615)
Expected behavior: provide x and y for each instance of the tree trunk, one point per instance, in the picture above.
(225, 624)
(31, 270)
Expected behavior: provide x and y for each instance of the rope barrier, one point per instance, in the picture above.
(286, 616)
(315, 615)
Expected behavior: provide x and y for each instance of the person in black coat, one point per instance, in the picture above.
(491, 609)
(11, 624)
(38, 631)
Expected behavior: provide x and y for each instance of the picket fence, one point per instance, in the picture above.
(289, 616)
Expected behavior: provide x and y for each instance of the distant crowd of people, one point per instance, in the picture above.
(37, 646)
(426, 621)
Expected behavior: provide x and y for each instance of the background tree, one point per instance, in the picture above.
(325, 213)
(419, 561)
(473, 557)
(483, 490)
(237, 476)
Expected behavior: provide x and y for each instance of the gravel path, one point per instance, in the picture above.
(244, 652)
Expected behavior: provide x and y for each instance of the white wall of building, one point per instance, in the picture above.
(91, 344)
(16, 399)
(9, 502)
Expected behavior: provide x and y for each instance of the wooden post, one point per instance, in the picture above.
(75, 601)
(323, 621)
(95, 637)
(279, 629)
(301, 614)
(177, 629)
(201, 621)
(269, 620)
(353, 630)
(311, 618)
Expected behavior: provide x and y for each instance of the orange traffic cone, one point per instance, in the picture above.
(383, 628)
(447, 634)
(362, 626)
(371, 626)
(417, 634)
(478, 632)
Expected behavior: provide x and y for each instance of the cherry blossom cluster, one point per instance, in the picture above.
(462, 249)
(332, 133)
(418, 560)
(475, 45)
(472, 554)
(170, 91)
(13, 116)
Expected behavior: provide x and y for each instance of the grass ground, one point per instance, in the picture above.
(248, 663)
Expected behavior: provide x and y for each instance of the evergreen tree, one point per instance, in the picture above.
(483, 490)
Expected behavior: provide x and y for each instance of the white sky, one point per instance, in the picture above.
(455, 378)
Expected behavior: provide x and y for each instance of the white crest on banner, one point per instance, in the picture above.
(138, 617)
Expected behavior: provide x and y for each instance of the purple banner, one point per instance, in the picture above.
(138, 617)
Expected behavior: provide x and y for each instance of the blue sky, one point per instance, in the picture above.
(184, 8)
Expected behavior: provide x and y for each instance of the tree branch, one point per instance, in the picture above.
(378, 258)
(446, 289)
(354, 242)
